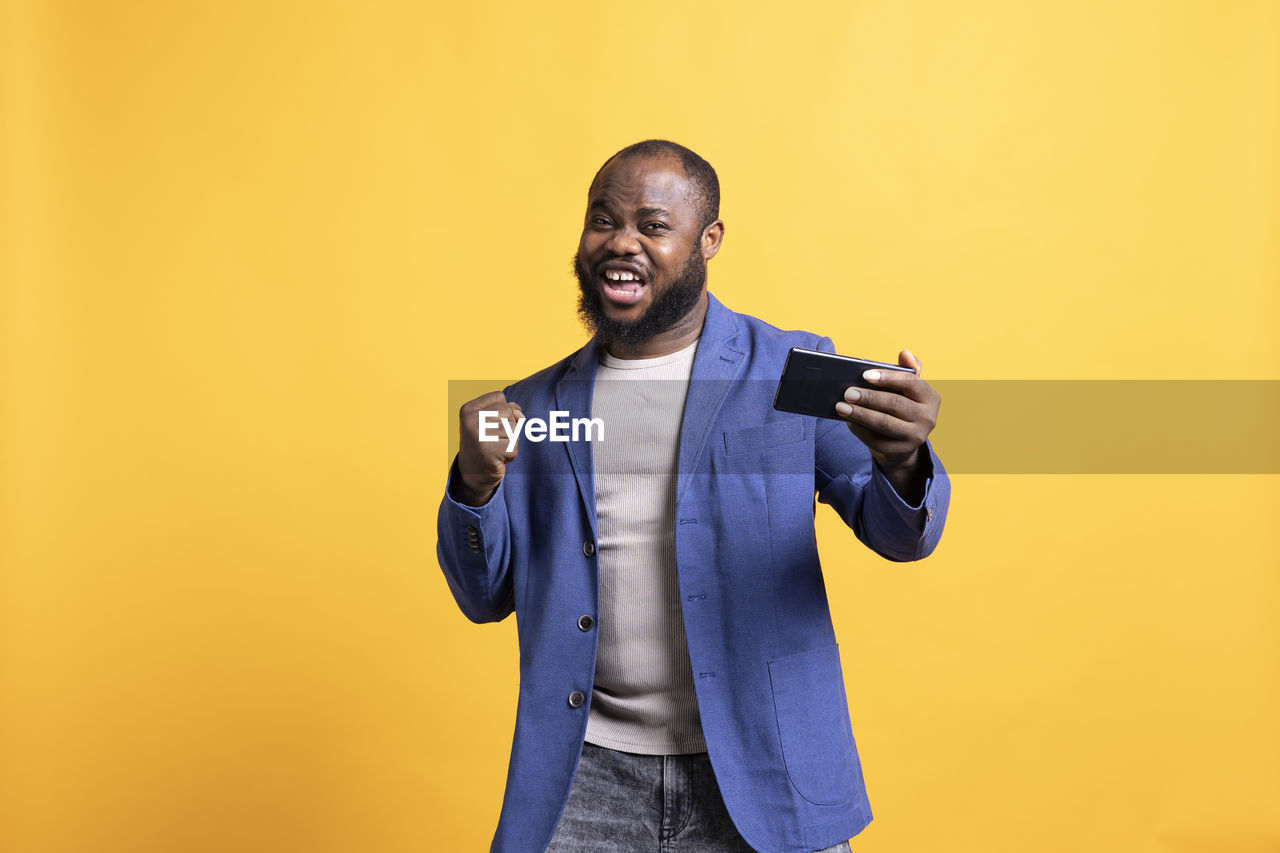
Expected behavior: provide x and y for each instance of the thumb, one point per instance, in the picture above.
(907, 358)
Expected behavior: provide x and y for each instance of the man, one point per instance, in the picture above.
(680, 684)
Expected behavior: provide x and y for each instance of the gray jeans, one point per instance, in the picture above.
(625, 803)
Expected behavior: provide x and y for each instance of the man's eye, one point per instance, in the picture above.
(599, 220)
(655, 226)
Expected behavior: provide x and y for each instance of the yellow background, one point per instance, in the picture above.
(246, 245)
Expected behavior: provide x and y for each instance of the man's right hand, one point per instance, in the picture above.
(483, 464)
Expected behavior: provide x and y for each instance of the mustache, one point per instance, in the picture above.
(579, 267)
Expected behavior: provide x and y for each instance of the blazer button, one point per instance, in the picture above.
(585, 622)
(589, 548)
(576, 699)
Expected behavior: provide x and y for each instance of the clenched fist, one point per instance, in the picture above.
(483, 464)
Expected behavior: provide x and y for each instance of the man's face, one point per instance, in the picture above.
(642, 259)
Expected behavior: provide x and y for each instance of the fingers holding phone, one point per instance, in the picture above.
(893, 416)
(889, 407)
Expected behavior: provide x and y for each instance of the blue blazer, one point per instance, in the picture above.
(769, 684)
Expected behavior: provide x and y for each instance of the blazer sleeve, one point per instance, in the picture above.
(474, 550)
(846, 478)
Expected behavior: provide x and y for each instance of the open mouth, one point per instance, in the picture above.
(622, 287)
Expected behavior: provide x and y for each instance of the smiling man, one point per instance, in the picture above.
(680, 687)
(644, 283)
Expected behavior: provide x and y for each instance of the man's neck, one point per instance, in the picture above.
(672, 340)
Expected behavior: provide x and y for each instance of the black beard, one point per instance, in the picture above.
(666, 310)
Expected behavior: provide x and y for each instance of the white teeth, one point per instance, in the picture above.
(620, 275)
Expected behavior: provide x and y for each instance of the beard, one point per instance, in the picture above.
(668, 308)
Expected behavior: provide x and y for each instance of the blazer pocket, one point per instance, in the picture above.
(813, 725)
(765, 436)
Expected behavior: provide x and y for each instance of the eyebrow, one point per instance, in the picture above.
(602, 204)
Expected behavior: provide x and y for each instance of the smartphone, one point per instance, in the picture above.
(813, 382)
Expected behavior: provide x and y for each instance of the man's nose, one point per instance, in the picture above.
(625, 241)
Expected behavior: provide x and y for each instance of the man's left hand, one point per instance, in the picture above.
(893, 423)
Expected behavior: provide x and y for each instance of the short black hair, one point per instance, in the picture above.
(698, 171)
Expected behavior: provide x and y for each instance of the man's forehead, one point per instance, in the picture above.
(641, 181)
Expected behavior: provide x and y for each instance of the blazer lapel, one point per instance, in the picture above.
(717, 363)
(573, 395)
(715, 366)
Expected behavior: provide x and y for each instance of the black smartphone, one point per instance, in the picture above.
(813, 382)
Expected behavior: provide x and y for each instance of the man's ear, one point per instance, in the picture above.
(711, 237)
